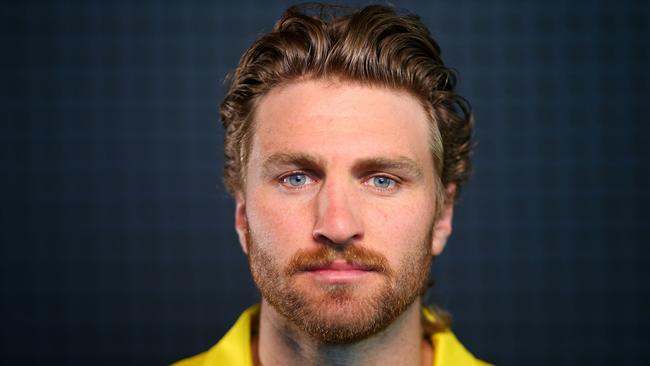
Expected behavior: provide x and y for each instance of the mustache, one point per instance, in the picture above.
(324, 256)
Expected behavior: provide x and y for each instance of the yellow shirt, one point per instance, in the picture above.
(234, 348)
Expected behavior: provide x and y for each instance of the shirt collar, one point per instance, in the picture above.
(234, 348)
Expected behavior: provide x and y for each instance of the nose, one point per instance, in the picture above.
(338, 218)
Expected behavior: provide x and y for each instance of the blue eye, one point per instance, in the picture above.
(296, 180)
(383, 182)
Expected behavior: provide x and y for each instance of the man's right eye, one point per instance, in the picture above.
(296, 180)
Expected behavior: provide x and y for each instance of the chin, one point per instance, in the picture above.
(341, 314)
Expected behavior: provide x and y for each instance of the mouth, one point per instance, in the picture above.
(339, 271)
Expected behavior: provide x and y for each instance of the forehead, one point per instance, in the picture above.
(337, 120)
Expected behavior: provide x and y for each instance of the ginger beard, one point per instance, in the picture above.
(341, 313)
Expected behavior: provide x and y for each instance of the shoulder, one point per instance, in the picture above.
(197, 360)
(448, 350)
(232, 349)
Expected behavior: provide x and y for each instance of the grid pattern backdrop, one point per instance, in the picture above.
(116, 240)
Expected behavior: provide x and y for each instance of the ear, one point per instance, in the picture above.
(443, 226)
(241, 221)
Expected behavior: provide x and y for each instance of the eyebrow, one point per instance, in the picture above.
(283, 159)
(399, 164)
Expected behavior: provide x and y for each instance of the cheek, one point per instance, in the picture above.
(398, 227)
(278, 225)
(402, 214)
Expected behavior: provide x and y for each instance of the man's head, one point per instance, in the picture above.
(345, 148)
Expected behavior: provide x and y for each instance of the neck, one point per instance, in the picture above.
(281, 343)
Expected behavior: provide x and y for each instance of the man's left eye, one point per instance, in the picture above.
(383, 182)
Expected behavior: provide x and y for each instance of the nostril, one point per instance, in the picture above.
(336, 242)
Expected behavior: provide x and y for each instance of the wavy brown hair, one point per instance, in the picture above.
(373, 46)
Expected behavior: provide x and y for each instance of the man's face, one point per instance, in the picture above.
(337, 214)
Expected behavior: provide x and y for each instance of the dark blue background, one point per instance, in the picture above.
(116, 234)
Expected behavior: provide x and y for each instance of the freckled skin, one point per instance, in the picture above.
(340, 124)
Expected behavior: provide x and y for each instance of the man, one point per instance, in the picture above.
(345, 149)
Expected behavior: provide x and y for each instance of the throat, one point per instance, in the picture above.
(280, 342)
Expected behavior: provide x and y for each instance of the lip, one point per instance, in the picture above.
(339, 272)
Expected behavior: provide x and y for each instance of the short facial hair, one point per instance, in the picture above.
(339, 315)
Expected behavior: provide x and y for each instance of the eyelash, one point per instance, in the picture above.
(283, 179)
(367, 182)
(395, 183)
